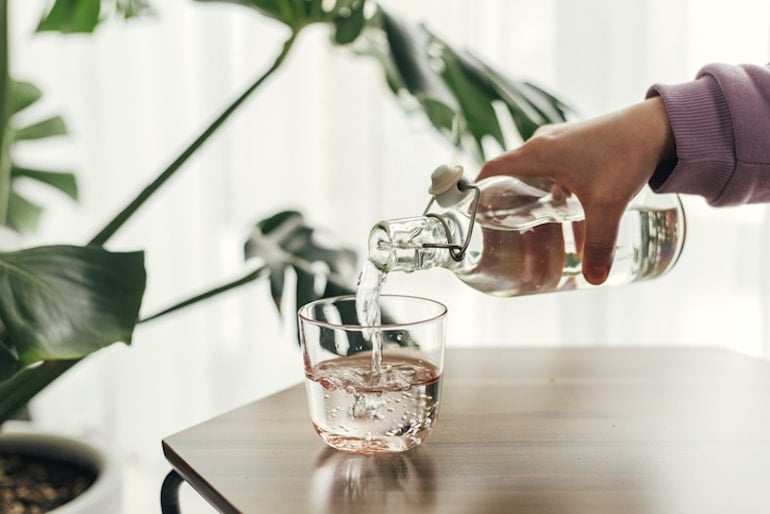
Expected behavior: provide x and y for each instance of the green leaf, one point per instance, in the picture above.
(64, 181)
(23, 215)
(285, 242)
(550, 107)
(529, 105)
(64, 302)
(296, 14)
(23, 94)
(9, 363)
(444, 119)
(412, 50)
(277, 278)
(71, 16)
(377, 48)
(348, 20)
(281, 10)
(132, 8)
(456, 90)
(475, 98)
(305, 290)
(53, 126)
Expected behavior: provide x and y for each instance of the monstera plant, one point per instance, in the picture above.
(60, 303)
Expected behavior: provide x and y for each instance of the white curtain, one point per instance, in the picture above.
(326, 137)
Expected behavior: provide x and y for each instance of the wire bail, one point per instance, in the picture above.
(456, 251)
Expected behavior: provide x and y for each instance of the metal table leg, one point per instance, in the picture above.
(169, 493)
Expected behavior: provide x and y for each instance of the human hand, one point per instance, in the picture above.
(605, 161)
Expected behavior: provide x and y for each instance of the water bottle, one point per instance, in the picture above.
(507, 237)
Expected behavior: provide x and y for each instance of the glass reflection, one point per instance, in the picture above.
(348, 482)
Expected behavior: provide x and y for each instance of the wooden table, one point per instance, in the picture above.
(592, 430)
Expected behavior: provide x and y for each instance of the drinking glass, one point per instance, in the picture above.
(376, 388)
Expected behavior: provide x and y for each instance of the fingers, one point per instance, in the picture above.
(535, 157)
(503, 164)
(599, 249)
(520, 162)
(558, 153)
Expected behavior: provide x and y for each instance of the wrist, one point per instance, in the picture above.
(666, 146)
(663, 146)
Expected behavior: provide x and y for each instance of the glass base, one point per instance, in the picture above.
(370, 445)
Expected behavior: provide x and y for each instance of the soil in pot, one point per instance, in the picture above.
(32, 484)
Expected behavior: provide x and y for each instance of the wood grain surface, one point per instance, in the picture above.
(579, 430)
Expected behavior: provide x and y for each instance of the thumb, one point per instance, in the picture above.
(521, 161)
(501, 165)
(533, 157)
(599, 248)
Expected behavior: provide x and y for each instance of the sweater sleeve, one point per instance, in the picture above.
(721, 126)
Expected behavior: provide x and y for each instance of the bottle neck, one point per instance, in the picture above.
(400, 244)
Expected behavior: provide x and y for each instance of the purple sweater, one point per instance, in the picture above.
(721, 125)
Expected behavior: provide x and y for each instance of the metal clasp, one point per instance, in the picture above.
(456, 251)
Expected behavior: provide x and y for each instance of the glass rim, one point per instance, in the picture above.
(386, 326)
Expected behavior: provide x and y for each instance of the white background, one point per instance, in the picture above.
(325, 136)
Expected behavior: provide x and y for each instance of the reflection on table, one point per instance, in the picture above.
(344, 483)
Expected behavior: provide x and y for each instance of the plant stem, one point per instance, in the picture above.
(108, 231)
(23, 386)
(251, 276)
(17, 391)
(287, 257)
(5, 114)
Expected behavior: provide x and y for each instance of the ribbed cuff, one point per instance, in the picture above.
(703, 135)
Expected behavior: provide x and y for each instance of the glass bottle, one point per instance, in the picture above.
(524, 238)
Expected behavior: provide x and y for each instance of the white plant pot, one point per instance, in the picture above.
(104, 495)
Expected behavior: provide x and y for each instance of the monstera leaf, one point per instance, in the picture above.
(285, 242)
(456, 90)
(64, 302)
(347, 16)
(410, 65)
(23, 214)
(83, 16)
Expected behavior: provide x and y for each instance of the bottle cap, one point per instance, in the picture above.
(446, 185)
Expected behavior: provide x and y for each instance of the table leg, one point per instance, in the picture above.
(169, 493)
